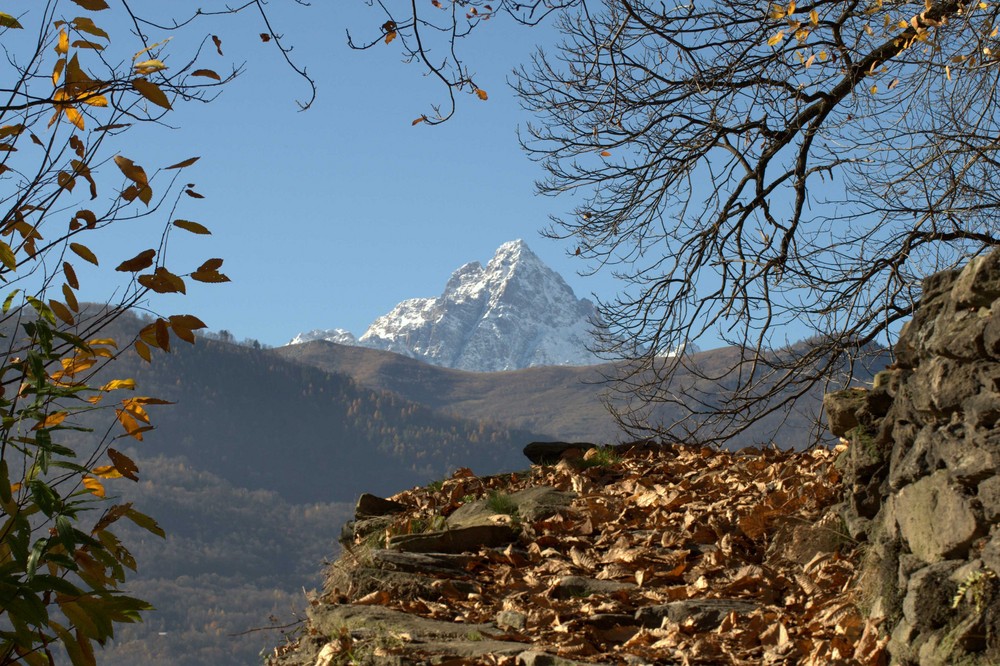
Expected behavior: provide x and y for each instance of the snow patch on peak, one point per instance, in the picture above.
(338, 335)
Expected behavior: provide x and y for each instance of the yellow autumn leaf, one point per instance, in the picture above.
(93, 485)
(95, 100)
(481, 94)
(61, 311)
(132, 428)
(132, 171)
(150, 48)
(116, 384)
(8, 21)
(873, 89)
(7, 257)
(207, 73)
(814, 17)
(775, 38)
(58, 70)
(62, 47)
(52, 420)
(184, 163)
(149, 66)
(142, 349)
(107, 472)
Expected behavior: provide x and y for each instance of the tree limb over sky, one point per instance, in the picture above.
(750, 168)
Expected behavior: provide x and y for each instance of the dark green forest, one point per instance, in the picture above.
(232, 559)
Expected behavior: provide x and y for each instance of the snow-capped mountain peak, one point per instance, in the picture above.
(338, 335)
(514, 313)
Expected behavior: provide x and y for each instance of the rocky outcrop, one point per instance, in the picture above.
(921, 474)
(639, 554)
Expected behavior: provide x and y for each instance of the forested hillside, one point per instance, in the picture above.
(232, 559)
(568, 403)
(262, 422)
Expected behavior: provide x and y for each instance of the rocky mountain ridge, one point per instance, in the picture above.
(514, 313)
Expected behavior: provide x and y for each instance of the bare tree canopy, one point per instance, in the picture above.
(750, 168)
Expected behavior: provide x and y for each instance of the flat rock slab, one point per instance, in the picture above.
(421, 563)
(372, 506)
(578, 586)
(407, 585)
(442, 652)
(609, 620)
(373, 621)
(461, 540)
(705, 614)
(531, 504)
(538, 658)
(547, 453)
(841, 409)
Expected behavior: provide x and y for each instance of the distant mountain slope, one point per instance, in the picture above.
(514, 313)
(562, 402)
(260, 421)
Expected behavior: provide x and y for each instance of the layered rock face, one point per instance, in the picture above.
(921, 482)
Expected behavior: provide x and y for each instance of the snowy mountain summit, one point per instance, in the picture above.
(514, 313)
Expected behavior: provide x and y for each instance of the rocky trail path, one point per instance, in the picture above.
(637, 554)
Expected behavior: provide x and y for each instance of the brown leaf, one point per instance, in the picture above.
(83, 252)
(132, 171)
(152, 92)
(186, 163)
(137, 263)
(208, 73)
(193, 227)
(125, 465)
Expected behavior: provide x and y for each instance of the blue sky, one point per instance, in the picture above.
(329, 217)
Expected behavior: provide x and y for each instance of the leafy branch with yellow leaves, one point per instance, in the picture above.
(79, 78)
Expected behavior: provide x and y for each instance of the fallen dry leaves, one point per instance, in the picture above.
(677, 523)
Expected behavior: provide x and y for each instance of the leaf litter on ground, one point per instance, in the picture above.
(674, 523)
